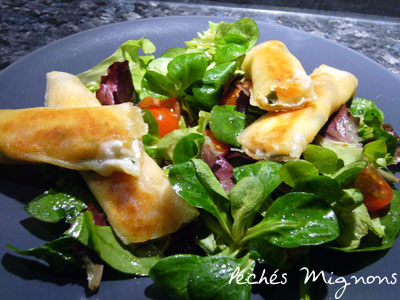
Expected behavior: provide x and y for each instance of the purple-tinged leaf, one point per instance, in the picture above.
(117, 86)
(223, 170)
(231, 84)
(343, 127)
(242, 102)
(209, 155)
(98, 217)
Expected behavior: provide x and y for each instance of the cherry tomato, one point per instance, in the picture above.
(219, 146)
(170, 103)
(166, 119)
(166, 111)
(377, 192)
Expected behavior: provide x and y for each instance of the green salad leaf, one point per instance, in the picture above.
(277, 257)
(197, 74)
(348, 153)
(297, 170)
(66, 199)
(207, 93)
(195, 182)
(127, 51)
(390, 141)
(227, 123)
(375, 151)
(266, 171)
(103, 241)
(194, 277)
(391, 222)
(246, 198)
(186, 69)
(157, 85)
(324, 159)
(297, 219)
(365, 234)
(362, 108)
(211, 278)
(208, 179)
(60, 254)
(324, 187)
(171, 274)
(168, 147)
(226, 37)
(188, 147)
(348, 174)
(380, 145)
(178, 145)
(355, 224)
(54, 206)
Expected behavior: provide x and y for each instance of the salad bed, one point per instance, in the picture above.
(250, 211)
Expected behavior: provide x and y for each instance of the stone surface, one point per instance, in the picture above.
(29, 25)
(370, 7)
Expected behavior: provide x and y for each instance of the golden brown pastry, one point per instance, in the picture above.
(283, 136)
(66, 90)
(279, 81)
(138, 208)
(103, 139)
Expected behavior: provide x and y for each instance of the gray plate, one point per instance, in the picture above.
(23, 85)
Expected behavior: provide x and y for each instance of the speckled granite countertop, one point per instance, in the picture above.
(28, 25)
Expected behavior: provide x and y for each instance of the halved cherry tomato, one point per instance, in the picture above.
(219, 146)
(377, 192)
(170, 103)
(166, 111)
(166, 119)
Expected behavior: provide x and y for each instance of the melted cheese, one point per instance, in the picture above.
(75, 138)
(138, 208)
(114, 156)
(284, 136)
(279, 81)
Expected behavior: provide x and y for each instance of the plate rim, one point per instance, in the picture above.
(205, 18)
(171, 17)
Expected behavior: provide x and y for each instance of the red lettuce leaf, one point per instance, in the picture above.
(209, 155)
(242, 102)
(117, 86)
(343, 127)
(98, 217)
(223, 170)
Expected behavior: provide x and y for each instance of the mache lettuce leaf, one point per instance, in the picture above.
(178, 145)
